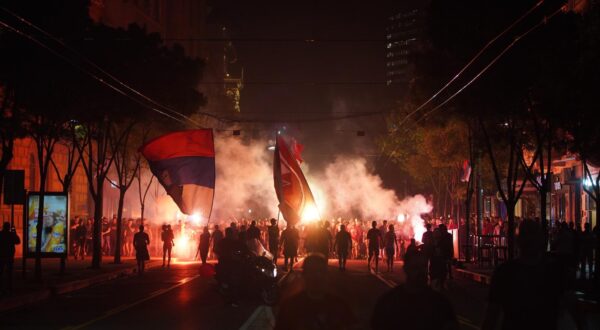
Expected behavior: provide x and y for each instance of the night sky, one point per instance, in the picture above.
(341, 72)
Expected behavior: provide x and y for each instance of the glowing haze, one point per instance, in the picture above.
(345, 188)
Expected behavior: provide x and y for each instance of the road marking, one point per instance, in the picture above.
(466, 322)
(252, 317)
(268, 311)
(263, 315)
(122, 308)
(462, 320)
(282, 279)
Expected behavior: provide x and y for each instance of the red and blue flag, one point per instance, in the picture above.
(184, 164)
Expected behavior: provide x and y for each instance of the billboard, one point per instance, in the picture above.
(54, 227)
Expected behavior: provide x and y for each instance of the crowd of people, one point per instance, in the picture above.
(342, 239)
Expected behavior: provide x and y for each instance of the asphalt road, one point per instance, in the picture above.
(178, 298)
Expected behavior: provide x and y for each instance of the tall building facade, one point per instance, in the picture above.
(405, 35)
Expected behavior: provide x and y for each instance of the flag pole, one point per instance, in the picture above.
(212, 202)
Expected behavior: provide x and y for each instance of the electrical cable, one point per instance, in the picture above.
(94, 65)
(264, 120)
(517, 39)
(102, 81)
(464, 68)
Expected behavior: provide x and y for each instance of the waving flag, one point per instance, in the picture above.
(292, 190)
(184, 164)
(465, 171)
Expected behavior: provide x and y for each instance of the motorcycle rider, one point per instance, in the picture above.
(230, 249)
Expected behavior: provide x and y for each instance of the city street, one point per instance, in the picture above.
(442, 133)
(179, 298)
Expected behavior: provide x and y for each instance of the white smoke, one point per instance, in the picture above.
(345, 188)
(350, 190)
(244, 178)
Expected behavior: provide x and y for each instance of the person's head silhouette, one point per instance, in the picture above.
(530, 239)
(415, 268)
(314, 272)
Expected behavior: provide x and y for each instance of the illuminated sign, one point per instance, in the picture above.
(54, 226)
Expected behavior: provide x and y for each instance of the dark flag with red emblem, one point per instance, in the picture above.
(292, 189)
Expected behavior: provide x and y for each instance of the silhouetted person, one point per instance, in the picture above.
(234, 229)
(442, 254)
(204, 244)
(324, 240)
(587, 251)
(383, 229)
(414, 305)
(390, 242)
(253, 231)
(216, 238)
(374, 238)
(79, 236)
(229, 262)
(141, 240)
(105, 236)
(597, 253)
(427, 247)
(565, 251)
(8, 240)
(343, 244)
(411, 250)
(242, 234)
(314, 307)
(525, 293)
(273, 232)
(289, 241)
(168, 239)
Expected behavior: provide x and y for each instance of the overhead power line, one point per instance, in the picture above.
(173, 114)
(516, 39)
(91, 63)
(464, 68)
(101, 80)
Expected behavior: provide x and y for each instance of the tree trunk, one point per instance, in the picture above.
(543, 214)
(97, 239)
(510, 236)
(119, 226)
(142, 212)
(40, 227)
(467, 228)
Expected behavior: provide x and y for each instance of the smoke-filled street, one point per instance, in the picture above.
(299, 165)
(179, 298)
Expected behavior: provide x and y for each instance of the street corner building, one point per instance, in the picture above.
(184, 164)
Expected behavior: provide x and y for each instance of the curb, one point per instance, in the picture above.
(477, 277)
(59, 289)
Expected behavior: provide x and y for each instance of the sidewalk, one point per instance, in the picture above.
(77, 275)
(475, 272)
(582, 301)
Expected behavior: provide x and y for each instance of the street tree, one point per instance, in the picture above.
(68, 143)
(126, 162)
(496, 103)
(582, 134)
(143, 184)
(166, 76)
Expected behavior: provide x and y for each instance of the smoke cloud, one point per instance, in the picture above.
(345, 188)
(351, 190)
(244, 179)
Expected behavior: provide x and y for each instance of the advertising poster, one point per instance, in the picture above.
(55, 226)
